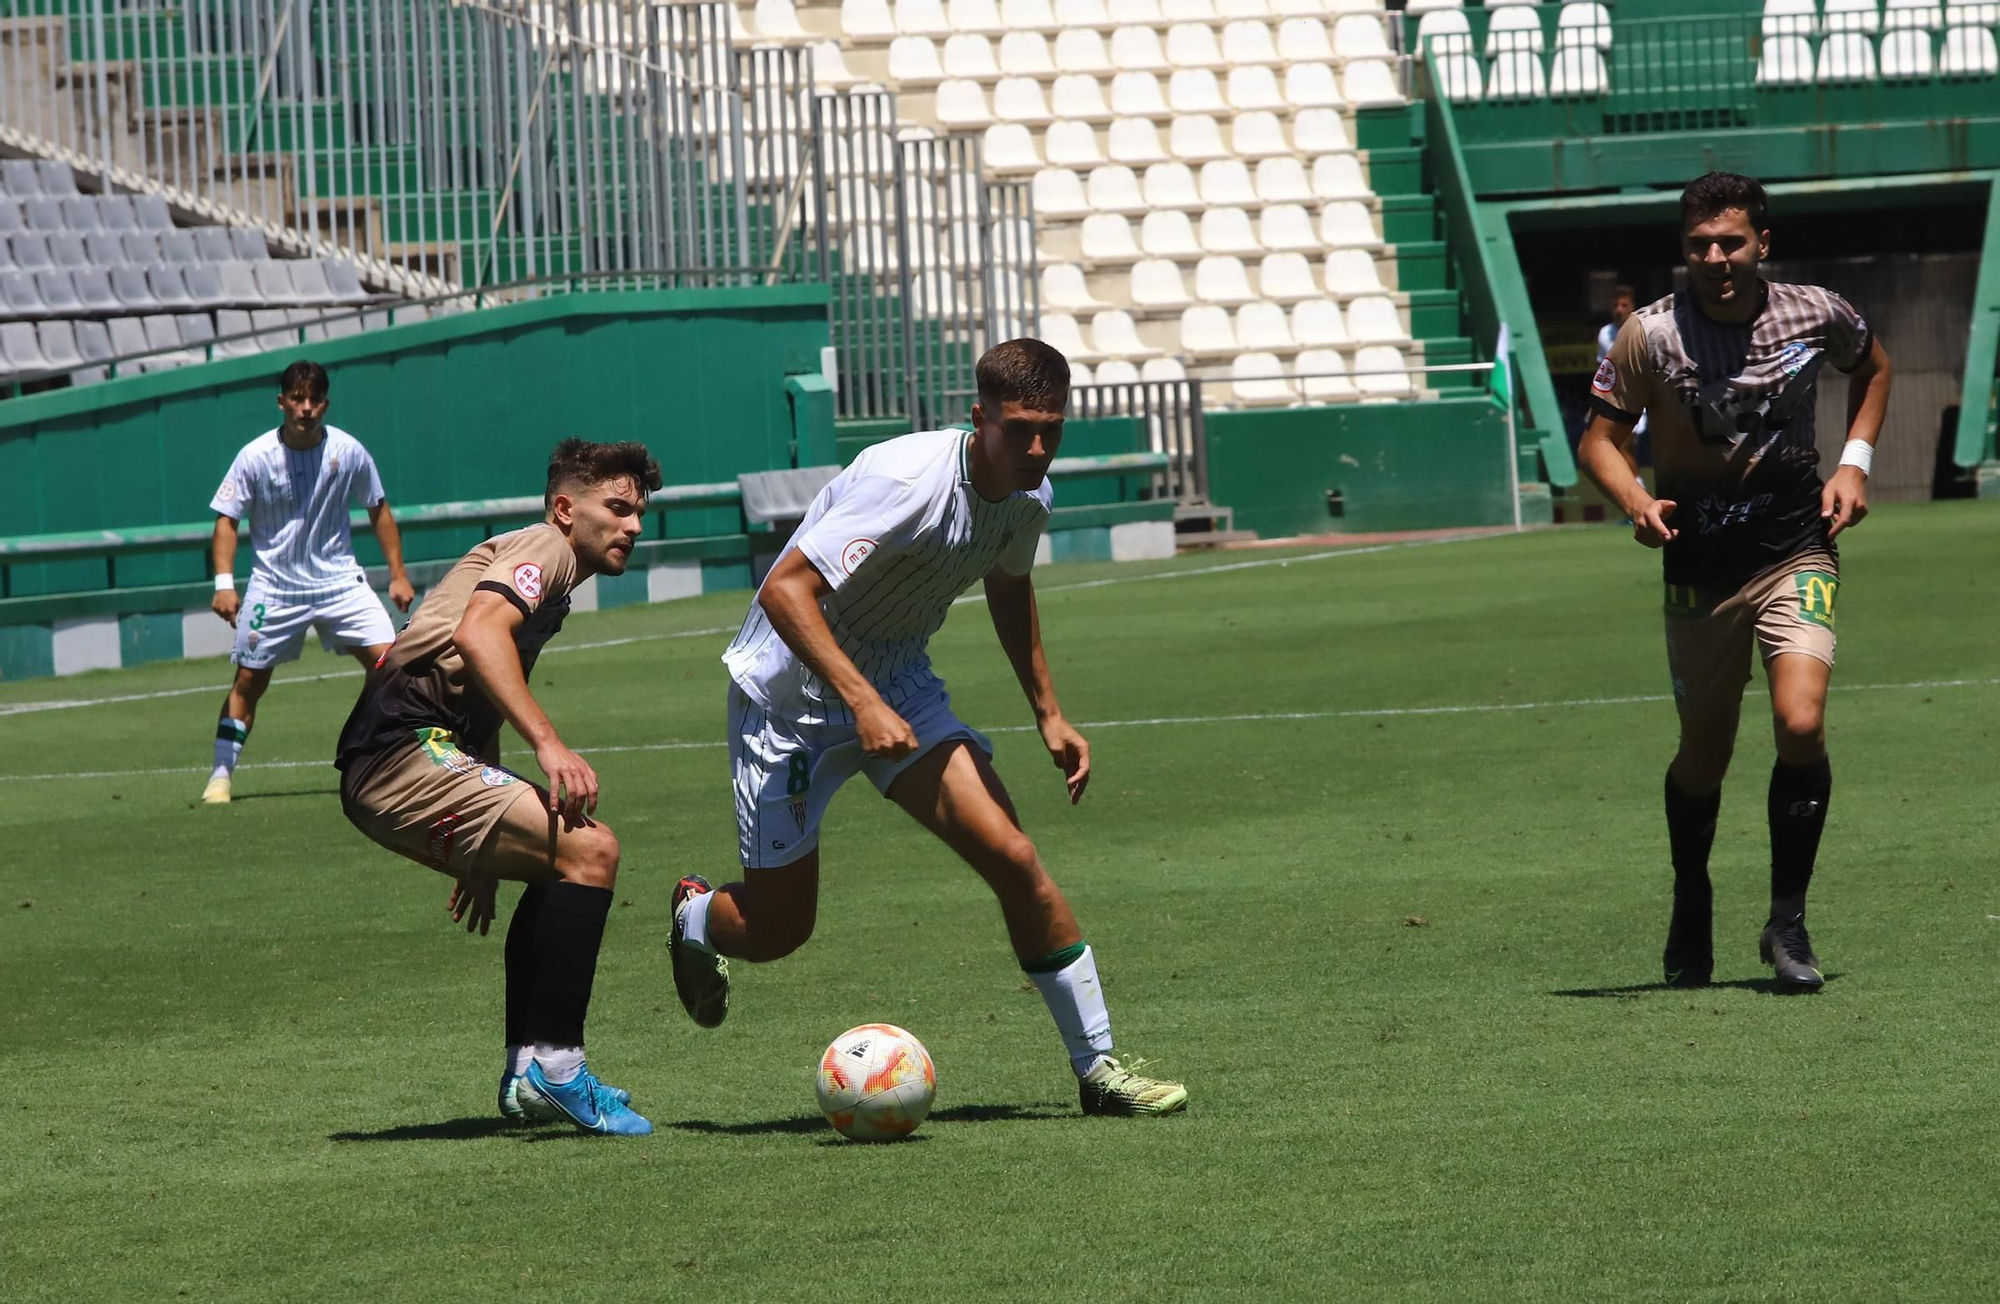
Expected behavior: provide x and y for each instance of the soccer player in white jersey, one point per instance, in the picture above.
(830, 677)
(295, 486)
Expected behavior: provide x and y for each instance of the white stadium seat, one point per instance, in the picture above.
(1262, 325)
(1576, 71)
(1134, 141)
(1171, 185)
(1188, 11)
(1080, 13)
(1227, 230)
(1258, 135)
(1507, 4)
(1446, 30)
(1785, 61)
(1259, 380)
(1372, 319)
(1345, 224)
(1285, 278)
(1162, 369)
(1303, 40)
(1361, 36)
(961, 104)
(778, 21)
(1078, 49)
(1111, 371)
(1168, 233)
(1129, 12)
(1288, 227)
(1317, 323)
(1247, 41)
(1137, 48)
(1063, 289)
(1060, 332)
(1114, 188)
(830, 69)
(1460, 77)
(1019, 99)
(1338, 176)
(1220, 278)
(867, 20)
(1906, 53)
(1320, 131)
(1069, 145)
(1009, 148)
(1196, 139)
(1372, 81)
(1227, 181)
(1059, 193)
(1846, 57)
(1514, 30)
(1584, 22)
(1432, 6)
(913, 61)
(1969, 52)
(1027, 16)
(1312, 86)
(1926, 15)
(1854, 16)
(1206, 332)
(1157, 286)
(1283, 181)
(1254, 88)
(1080, 97)
(1386, 362)
(1517, 75)
(1790, 18)
(1972, 13)
(1322, 376)
(981, 17)
(1191, 45)
(1116, 336)
(1195, 90)
(1107, 239)
(922, 18)
(1137, 95)
(1026, 54)
(970, 54)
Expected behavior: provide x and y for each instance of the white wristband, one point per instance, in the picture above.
(225, 582)
(1859, 453)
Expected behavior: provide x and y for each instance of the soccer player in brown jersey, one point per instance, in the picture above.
(421, 773)
(1725, 374)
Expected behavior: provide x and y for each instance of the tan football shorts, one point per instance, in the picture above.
(429, 800)
(1788, 608)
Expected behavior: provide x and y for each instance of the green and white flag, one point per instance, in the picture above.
(1500, 383)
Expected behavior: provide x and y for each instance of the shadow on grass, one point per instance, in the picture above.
(811, 1124)
(1632, 991)
(289, 792)
(457, 1129)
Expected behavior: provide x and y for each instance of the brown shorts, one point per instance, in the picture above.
(429, 801)
(1788, 608)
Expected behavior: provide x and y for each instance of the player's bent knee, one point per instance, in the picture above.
(1803, 725)
(588, 855)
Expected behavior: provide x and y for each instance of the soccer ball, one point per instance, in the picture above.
(876, 1083)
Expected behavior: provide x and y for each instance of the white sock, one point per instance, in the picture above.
(518, 1059)
(230, 735)
(560, 1064)
(1076, 1001)
(694, 921)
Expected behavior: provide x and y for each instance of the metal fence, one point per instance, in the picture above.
(439, 144)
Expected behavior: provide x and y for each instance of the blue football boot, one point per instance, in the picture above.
(586, 1102)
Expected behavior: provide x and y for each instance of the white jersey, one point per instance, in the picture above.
(296, 503)
(899, 535)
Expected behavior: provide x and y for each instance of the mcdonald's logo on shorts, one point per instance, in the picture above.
(1817, 590)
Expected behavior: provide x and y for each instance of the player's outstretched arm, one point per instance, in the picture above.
(790, 598)
(1603, 457)
(1844, 501)
(1017, 620)
(401, 591)
(226, 603)
(485, 637)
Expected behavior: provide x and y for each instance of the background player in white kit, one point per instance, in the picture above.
(831, 677)
(295, 485)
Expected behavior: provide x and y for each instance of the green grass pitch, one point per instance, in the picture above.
(1373, 860)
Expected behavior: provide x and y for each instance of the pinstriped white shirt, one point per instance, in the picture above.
(296, 504)
(899, 535)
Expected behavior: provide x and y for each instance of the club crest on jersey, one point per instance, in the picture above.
(228, 493)
(528, 579)
(856, 552)
(798, 806)
(494, 777)
(1795, 357)
(1606, 378)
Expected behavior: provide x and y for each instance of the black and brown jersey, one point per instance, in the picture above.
(422, 680)
(1730, 408)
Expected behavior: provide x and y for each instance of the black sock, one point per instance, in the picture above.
(1690, 834)
(567, 936)
(1799, 795)
(520, 960)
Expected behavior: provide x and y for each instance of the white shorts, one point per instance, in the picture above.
(270, 630)
(786, 773)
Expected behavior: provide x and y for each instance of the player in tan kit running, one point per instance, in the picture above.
(421, 773)
(1725, 375)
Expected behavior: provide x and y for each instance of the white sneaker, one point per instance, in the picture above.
(217, 791)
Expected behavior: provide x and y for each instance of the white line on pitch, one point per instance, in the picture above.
(65, 704)
(1147, 722)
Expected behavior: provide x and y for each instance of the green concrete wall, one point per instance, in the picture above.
(460, 407)
(1396, 466)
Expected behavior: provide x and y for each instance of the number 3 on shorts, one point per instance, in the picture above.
(257, 616)
(798, 774)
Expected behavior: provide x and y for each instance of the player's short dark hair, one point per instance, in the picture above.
(309, 374)
(1624, 292)
(1718, 192)
(578, 463)
(1024, 371)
